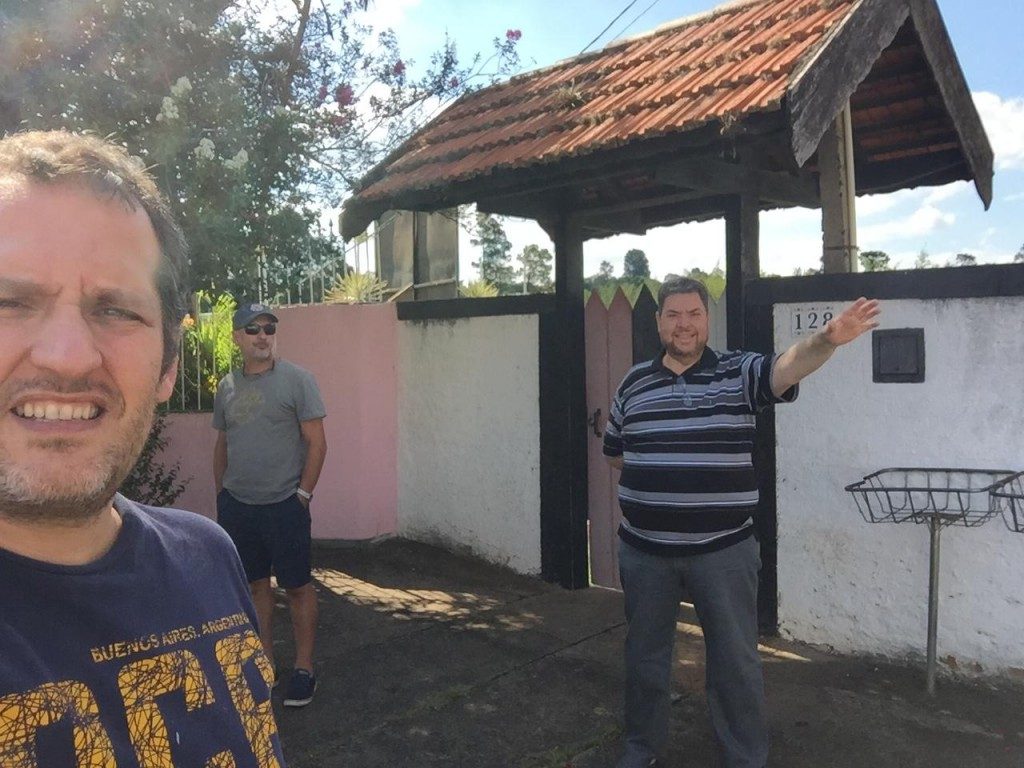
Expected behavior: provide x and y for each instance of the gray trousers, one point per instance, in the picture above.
(723, 586)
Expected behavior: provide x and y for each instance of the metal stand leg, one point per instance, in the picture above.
(935, 528)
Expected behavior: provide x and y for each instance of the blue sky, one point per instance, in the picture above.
(941, 220)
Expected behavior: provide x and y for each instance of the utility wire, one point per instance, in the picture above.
(636, 18)
(610, 23)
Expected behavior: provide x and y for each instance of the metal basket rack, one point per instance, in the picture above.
(937, 498)
(1009, 497)
(924, 495)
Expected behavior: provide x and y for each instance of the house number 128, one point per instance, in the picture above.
(808, 320)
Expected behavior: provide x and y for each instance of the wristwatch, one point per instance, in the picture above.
(304, 494)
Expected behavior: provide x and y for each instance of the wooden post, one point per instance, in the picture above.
(563, 412)
(838, 196)
(742, 260)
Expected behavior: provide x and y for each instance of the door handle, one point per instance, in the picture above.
(593, 422)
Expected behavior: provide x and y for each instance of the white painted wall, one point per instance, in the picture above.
(469, 436)
(863, 587)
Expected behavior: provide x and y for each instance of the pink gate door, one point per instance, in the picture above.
(609, 353)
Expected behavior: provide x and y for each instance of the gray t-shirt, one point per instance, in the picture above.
(260, 415)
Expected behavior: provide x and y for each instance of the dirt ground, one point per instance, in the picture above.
(429, 659)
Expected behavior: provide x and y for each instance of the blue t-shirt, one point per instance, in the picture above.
(147, 656)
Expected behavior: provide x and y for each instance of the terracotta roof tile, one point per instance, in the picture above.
(723, 65)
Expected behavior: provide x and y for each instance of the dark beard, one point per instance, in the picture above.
(683, 358)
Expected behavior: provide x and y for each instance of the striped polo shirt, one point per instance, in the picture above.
(688, 483)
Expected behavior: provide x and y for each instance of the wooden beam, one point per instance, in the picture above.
(719, 177)
(838, 196)
(514, 205)
(563, 423)
(520, 208)
(357, 211)
(637, 217)
(824, 84)
(742, 261)
(608, 224)
(929, 170)
(885, 133)
(903, 88)
(702, 209)
(938, 50)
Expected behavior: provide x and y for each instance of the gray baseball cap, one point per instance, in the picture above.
(246, 313)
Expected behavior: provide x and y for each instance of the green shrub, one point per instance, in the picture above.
(151, 481)
(207, 353)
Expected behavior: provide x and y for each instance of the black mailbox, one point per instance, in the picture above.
(898, 355)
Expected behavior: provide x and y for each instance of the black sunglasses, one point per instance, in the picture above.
(253, 329)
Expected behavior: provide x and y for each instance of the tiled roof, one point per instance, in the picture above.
(723, 65)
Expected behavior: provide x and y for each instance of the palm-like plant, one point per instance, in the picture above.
(356, 288)
(479, 289)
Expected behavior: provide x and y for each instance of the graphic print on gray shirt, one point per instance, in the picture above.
(261, 416)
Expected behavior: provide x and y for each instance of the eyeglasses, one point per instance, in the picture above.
(253, 329)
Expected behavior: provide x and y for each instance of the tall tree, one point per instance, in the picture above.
(605, 276)
(250, 126)
(923, 260)
(535, 272)
(1019, 258)
(714, 280)
(964, 260)
(635, 264)
(496, 252)
(874, 261)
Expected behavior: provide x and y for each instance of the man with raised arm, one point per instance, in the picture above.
(681, 429)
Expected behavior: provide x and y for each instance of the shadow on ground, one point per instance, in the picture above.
(430, 659)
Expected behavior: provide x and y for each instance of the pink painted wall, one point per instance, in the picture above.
(352, 351)
(190, 440)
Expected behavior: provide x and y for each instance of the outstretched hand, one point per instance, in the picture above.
(855, 320)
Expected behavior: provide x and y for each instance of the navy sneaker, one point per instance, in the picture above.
(301, 688)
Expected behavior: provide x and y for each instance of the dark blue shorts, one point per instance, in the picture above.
(269, 538)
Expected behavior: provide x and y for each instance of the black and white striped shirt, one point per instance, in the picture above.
(688, 482)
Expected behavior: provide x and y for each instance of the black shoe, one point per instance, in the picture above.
(301, 688)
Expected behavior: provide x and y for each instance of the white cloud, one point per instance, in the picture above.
(946, 192)
(870, 206)
(790, 238)
(873, 205)
(920, 223)
(1003, 119)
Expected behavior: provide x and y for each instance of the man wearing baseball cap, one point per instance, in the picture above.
(268, 456)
